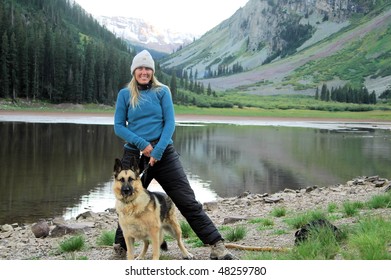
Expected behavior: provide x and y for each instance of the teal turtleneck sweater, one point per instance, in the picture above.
(152, 119)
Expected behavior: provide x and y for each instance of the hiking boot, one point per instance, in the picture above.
(119, 252)
(219, 252)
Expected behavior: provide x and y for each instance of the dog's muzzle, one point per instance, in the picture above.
(126, 190)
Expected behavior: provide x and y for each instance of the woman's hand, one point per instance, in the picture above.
(147, 151)
(152, 161)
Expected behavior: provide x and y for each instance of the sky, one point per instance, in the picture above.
(195, 16)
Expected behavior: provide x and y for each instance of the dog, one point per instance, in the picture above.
(144, 215)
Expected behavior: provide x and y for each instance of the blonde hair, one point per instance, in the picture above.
(135, 93)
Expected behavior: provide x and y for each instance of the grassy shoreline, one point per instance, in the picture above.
(31, 106)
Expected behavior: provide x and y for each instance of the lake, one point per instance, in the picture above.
(63, 169)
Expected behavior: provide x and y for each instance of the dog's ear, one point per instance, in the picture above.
(117, 166)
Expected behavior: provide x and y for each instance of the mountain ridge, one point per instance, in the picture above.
(140, 33)
(222, 45)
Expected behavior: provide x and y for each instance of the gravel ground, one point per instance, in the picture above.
(17, 242)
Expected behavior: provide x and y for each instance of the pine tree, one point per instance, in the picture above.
(323, 92)
(4, 75)
(209, 90)
(13, 67)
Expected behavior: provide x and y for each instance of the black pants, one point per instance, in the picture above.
(169, 173)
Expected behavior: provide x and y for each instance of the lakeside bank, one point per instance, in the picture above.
(17, 241)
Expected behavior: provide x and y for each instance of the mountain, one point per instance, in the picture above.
(140, 33)
(261, 48)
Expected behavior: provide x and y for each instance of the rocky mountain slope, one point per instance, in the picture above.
(269, 39)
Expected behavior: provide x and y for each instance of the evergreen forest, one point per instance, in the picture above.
(53, 50)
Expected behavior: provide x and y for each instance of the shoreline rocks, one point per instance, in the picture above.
(41, 240)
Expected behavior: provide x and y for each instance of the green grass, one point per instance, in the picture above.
(321, 245)
(187, 231)
(370, 240)
(263, 221)
(380, 201)
(106, 238)
(332, 207)
(236, 233)
(72, 244)
(189, 235)
(279, 113)
(351, 208)
(304, 218)
(292, 106)
(278, 212)
(367, 238)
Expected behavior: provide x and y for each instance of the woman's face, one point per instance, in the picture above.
(143, 75)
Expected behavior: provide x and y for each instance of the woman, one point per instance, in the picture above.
(144, 118)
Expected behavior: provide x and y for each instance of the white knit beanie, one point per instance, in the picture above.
(143, 58)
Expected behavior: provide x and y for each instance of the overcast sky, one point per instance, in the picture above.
(195, 16)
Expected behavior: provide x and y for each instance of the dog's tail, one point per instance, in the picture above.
(164, 246)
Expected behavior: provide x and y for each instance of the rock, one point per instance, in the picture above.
(86, 215)
(211, 206)
(372, 178)
(310, 189)
(40, 229)
(61, 230)
(58, 221)
(18, 242)
(359, 182)
(7, 228)
(6, 234)
(379, 183)
(244, 194)
(231, 220)
(273, 199)
(110, 210)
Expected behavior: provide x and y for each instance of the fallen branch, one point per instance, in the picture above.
(253, 248)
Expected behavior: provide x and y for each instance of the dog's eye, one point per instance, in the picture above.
(130, 179)
(122, 180)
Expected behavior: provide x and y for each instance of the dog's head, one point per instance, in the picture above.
(127, 182)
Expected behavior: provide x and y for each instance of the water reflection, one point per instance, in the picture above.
(101, 198)
(50, 169)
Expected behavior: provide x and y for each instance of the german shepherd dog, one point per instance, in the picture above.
(144, 215)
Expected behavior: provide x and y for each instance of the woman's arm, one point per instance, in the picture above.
(120, 121)
(169, 124)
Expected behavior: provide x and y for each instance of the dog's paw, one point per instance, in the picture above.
(139, 258)
(188, 257)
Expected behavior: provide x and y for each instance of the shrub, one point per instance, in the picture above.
(106, 238)
(380, 201)
(301, 220)
(187, 231)
(332, 207)
(351, 208)
(279, 212)
(370, 240)
(75, 243)
(235, 234)
(321, 245)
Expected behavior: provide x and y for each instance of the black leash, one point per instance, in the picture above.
(145, 170)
